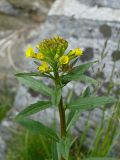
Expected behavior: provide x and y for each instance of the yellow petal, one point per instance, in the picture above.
(64, 60)
(41, 69)
(44, 67)
(78, 52)
(40, 56)
(30, 52)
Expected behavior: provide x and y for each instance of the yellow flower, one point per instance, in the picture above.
(40, 56)
(30, 52)
(64, 60)
(44, 67)
(77, 52)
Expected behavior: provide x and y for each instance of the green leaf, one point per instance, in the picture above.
(81, 68)
(27, 74)
(105, 158)
(64, 147)
(87, 79)
(70, 116)
(34, 108)
(82, 78)
(86, 92)
(77, 71)
(37, 127)
(90, 102)
(54, 151)
(32, 74)
(35, 84)
(74, 114)
(56, 95)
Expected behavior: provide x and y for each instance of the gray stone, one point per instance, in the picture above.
(104, 3)
(13, 23)
(2, 149)
(83, 26)
(75, 8)
(36, 9)
(5, 135)
(33, 5)
(7, 8)
(15, 14)
(67, 28)
(87, 35)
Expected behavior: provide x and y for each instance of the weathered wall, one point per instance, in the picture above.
(84, 23)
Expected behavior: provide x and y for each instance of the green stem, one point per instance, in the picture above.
(62, 118)
(61, 110)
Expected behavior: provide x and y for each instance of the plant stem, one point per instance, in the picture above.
(61, 110)
(62, 118)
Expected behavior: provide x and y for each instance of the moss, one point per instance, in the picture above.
(88, 54)
(33, 93)
(100, 75)
(106, 31)
(116, 55)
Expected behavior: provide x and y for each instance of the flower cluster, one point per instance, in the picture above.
(51, 54)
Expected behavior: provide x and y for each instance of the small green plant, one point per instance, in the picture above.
(56, 63)
(30, 147)
(6, 99)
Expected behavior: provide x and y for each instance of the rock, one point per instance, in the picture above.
(79, 10)
(16, 14)
(89, 33)
(13, 23)
(16, 23)
(78, 32)
(85, 26)
(5, 135)
(104, 3)
(2, 148)
(33, 5)
(37, 9)
(7, 8)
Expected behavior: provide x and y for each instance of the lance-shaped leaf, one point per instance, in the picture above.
(104, 158)
(90, 102)
(77, 74)
(34, 108)
(37, 127)
(82, 78)
(54, 150)
(74, 114)
(64, 147)
(79, 70)
(27, 74)
(32, 74)
(35, 84)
